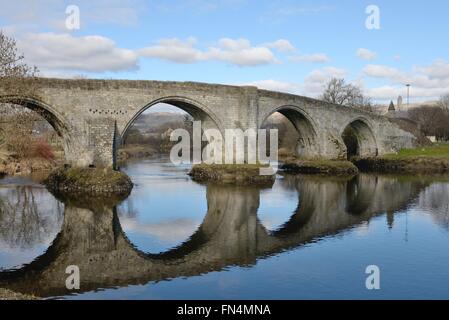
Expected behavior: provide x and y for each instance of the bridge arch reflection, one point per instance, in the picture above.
(197, 110)
(230, 234)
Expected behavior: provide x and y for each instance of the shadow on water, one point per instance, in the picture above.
(230, 234)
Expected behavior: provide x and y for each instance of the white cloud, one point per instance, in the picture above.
(324, 74)
(439, 69)
(50, 52)
(167, 231)
(384, 92)
(391, 92)
(316, 80)
(428, 81)
(316, 58)
(381, 71)
(238, 52)
(51, 13)
(281, 45)
(241, 53)
(366, 54)
(312, 86)
(174, 50)
(276, 85)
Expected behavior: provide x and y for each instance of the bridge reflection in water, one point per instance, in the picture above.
(91, 236)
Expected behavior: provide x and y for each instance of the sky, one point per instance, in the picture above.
(284, 45)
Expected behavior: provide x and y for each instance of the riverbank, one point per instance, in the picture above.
(137, 152)
(92, 181)
(11, 295)
(319, 167)
(26, 167)
(431, 159)
(236, 174)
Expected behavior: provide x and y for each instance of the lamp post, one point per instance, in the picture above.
(408, 95)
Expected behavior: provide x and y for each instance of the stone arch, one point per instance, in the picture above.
(50, 114)
(46, 111)
(308, 144)
(359, 139)
(196, 109)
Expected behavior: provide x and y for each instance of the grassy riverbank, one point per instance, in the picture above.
(429, 159)
(26, 167)
(11, 295)
(436, 151)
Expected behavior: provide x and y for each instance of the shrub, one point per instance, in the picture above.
(41, 149)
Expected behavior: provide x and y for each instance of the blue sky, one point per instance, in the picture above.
(293, 46)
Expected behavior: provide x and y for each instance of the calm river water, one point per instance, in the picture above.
(305, 238)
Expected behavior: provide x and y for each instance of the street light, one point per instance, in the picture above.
(408, 95)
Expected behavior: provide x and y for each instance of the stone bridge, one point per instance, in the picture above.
(231, 234)
(93, 116)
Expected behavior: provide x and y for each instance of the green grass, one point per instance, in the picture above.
(437, 151)
(90, 176)
(231, 167)
(236, 174)
(87, 178)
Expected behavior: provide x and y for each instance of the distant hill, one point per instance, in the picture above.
(152, 121)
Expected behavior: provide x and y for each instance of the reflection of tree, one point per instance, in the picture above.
(127, 209)
(434, 200)
(22, 222)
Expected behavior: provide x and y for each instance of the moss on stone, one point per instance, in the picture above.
(235, 174)
(95, 181)
(321, 167)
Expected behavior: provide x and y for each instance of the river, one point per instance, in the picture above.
(308, 237)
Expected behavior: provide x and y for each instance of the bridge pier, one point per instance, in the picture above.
(93, 144)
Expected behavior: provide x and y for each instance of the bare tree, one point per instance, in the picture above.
(444, 102)
(339, 92)
(16, 76)
(11, 62)
(23, 223)
(432, 120)
(17, 124)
